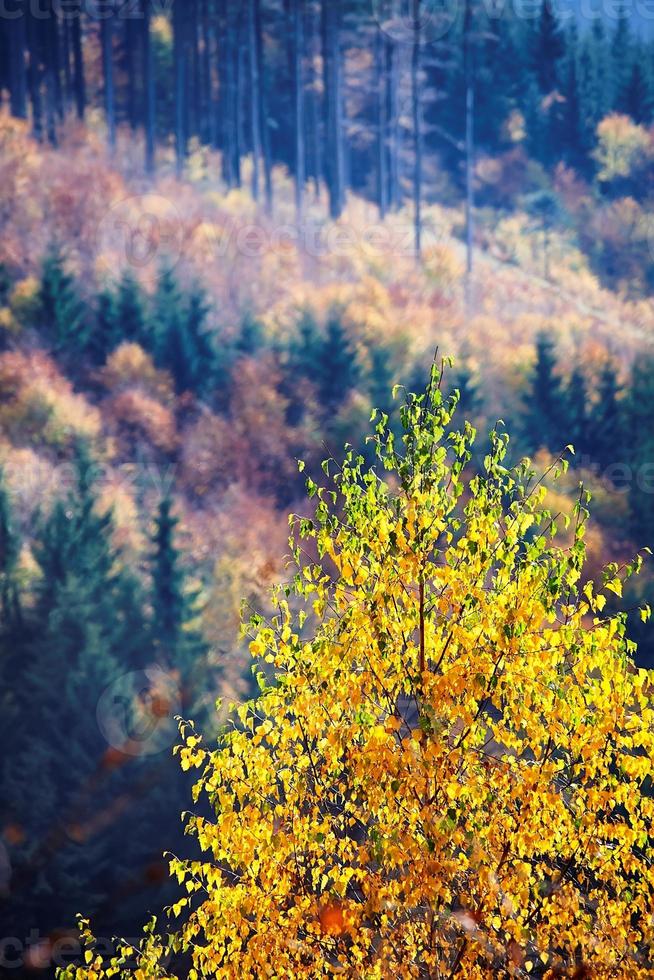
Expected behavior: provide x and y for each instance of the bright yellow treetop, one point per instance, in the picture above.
(447, 770)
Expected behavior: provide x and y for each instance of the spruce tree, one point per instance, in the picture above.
(548, 47)
(85, 633)
(176, 639)
(640, 447)
(338, 369)
(544, 400)
(131, 311)
(606, 423)
(635, 98)
(576, 411)
(61, 312)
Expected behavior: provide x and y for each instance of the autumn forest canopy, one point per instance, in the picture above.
(386, 267)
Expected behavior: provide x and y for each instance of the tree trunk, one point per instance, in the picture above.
(179, 57)
(78, 66)
(382, 135)
(392, 77)
(106, 34)
(417, 130)
(34, 77)
(298, 91)
(255, 97)
(130, 38)
(262, 109)
(149, 103)
(333, 104)
(65, 54)
(468, 68)
(17, 38)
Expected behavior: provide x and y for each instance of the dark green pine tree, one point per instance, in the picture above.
(180, 340)
(176, 638)
(103, 336)
(381, 378)
(85, 632)
(576, 412)
(635, 98)
(12, 632)
(338, 368)
(463, 380)
(548, 47)
(639, 440)
(206, 367)
(166, 314)
(131, 311)
(61, 312)
(621, 57)
(569, 114)
(301, 357)
(606, 421)
(544, 409)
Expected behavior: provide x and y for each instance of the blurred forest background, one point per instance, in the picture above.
(226, 230)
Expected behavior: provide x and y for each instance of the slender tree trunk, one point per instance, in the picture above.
(107, 33)
(35, 71)
(17, 36)
(382, 134)
(78, 66)
(255, 97)
(65, 54)
(52, 88)
(179, 56)
(333, 104)
(392, 77)
(298, 91)
(417, 130)
(239, 122)
(206, 109)
(130, 38)
(314, 113)
(149, 98)
(263, 109)
(468, 68)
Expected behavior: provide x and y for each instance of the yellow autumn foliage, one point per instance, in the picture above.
(449, 776)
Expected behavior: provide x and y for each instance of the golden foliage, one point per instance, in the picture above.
(449, 776)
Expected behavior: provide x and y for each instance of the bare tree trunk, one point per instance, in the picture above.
(34, 76)
(417, 130)
(149, 105)
(333, 105)
(298, 91)
(393, 81)
(263, 112)
(17, 70)
(382, 133)
(314, 114)
(179, 56)
(255, 98)
(106, 34)
(78, 66)
(469, 143)
(131, 69)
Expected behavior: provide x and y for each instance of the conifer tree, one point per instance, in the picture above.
(640, 446)
(338, 369)
(606, 422)
(544, 400)
(61, 312)
(576, 411)
(85, 632)
(176, 638)
(548, 48)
